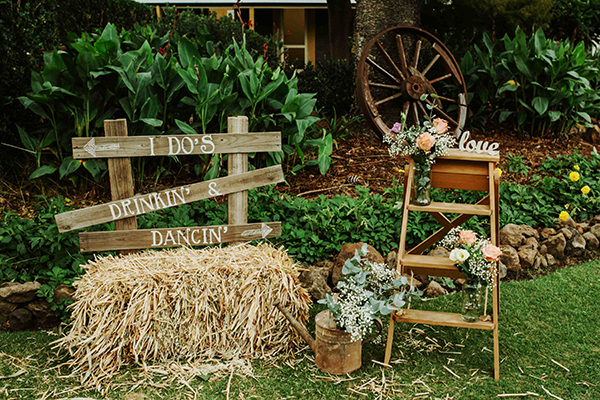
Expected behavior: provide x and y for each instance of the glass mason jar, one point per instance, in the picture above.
(471, 300)
(421, 185)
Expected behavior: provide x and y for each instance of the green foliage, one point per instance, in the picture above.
(30, 28)
(461, 24)
(156, 82)
(33, 249)
(514, 163)
(576, 19)
(332, 81)
(537, 85)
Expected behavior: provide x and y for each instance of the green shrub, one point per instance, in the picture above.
(332, 81)
(30, 28)
(535, 85)
(157, 82)
(576, 19)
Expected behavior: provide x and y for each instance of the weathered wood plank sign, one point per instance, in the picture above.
(173, 145)
(124, 208)
(138, 205)
(173, 237)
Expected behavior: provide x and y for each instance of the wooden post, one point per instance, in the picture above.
(121, 179)
(237, 203)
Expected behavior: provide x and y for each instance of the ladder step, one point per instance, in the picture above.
(454, 208)
(429, 265)
(440, 318)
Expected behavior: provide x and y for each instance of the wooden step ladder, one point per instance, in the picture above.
(458, 170)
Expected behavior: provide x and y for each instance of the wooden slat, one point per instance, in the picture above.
(440, 318)
(173, 237)
(147, 146)
(119, 172)
(429, 265)
(456, 154)
(459, 181)
(237, 203)
(138, 205)
(451, 166)
(454, 208)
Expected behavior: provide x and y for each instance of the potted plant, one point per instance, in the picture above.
(367, 291)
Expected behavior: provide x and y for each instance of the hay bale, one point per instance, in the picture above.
(183, 304)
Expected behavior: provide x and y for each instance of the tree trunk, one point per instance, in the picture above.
(340, 28)
(374, 16)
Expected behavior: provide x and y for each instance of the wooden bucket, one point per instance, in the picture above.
(335, 353)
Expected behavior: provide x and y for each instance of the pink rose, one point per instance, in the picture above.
(425, 141)
(467, 237)
(396, 128)
(440, 126)
(491, 252)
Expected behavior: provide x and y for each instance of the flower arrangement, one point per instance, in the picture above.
(422, 143)
(367, 291)
(475, 257)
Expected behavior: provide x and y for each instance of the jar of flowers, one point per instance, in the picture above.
(423, 144)
(477, 258)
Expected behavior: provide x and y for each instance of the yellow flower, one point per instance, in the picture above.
(585, 190)
(401, 171)
(576, 167)
(574, 176)
(563, 216)
(513, 82)
(499, 171)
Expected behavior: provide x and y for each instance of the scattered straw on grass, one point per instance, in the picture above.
(183, 304)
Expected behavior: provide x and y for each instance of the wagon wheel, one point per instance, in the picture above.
(397, 67)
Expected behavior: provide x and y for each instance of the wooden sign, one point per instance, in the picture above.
(138, 205)
(173, 237)
(174, 145)
(472, 146)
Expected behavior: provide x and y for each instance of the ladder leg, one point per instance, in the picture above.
(496, 312)
(390, 339)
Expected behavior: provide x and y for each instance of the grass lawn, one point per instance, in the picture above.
(545, 322)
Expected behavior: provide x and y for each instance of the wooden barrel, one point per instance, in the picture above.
(335, 353)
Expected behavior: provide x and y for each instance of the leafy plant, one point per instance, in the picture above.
(514, 163)
(538, 85)
(156, 83)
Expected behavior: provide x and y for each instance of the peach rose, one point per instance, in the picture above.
(440, 126)
(491, 252)
(425, 142)
(467, 237)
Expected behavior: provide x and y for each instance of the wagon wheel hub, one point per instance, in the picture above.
(415, 87)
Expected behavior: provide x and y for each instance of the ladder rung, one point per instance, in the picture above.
(454, 208)
(440, 318)
(429, 265)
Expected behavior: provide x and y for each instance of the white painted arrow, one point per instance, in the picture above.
(91, 147)
(264, 231)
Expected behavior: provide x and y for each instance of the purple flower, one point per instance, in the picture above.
(396, 127)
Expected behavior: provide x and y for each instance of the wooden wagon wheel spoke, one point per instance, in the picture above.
(415, 111)
(441, 113)
(428, 67)
(446, 99)
(380, 68)
(392, 97)
(403, 62)
(384, 99)
(440, 78)
(417, 54)
(390, 61)
(382, 85)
